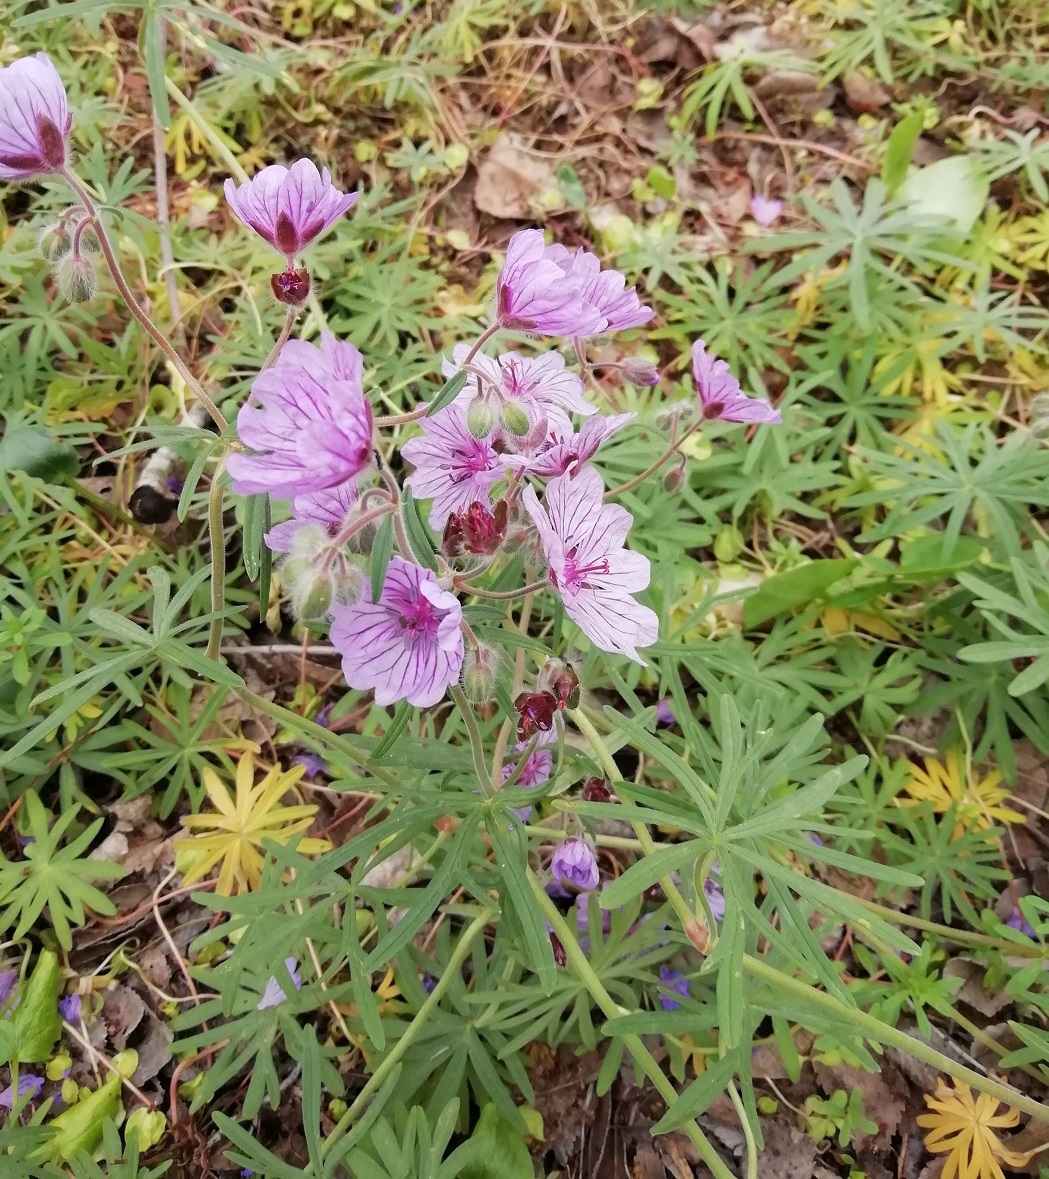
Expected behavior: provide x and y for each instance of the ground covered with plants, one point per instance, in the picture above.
(373, 804)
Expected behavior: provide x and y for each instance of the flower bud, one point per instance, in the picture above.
(309, 586)
(514, 419)
(639, 373)
(480, 671)
(291, 287)
(536, 710)
(77, 278)
(347, 581)
(675, 477)
(55, 241)
(560, 956)
(309, 541)
(480, 420)
(475, 530)
(560, 680)
(597, 790)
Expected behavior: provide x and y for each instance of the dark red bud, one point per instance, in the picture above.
(536, 710)
(52, 143)
(475, 530)
(291, 287)
(560, 957)
(597, 790)
(560, 679)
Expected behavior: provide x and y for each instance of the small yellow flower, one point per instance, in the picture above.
(241, 824)
(965, 1126)
(977, 802)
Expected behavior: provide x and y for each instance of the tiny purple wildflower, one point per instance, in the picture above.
(574, 865)
(408, 645)
(312, 763)
(428, 982)
(582, 539)
(274, 994)
(675, 983)
(34, 119)
(544, 380)
(665, 714)
(8, 979)
(312, 429)
(1019, 922)
(70, 1008)
(289, 207)
(765, 210)
(29, 1085)
(715, 897)
(720, 397)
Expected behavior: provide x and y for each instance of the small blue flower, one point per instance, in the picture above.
(70, 1007)
(28, 1086)
(675, 982)
(274, 994)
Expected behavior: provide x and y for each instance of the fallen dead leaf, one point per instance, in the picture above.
(510, 180)
(864, 95)
(972, 992)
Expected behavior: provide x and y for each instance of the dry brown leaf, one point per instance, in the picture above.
(864, 95)
(510, 180)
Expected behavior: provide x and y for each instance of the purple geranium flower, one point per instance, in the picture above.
(720, 396)
(603, 290)
(328, 508)
(574, 865)
(408, 645)
(542, 380)
(452, 467)
(70, 1008)
(676, 983)
(289, 207)
(313, 427)
(582, 539)
(29, 1085)
(274, 994)
(562, 450)
(34, 119)
(765, 210)
(535, 294)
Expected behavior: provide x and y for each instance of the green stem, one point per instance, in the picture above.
(964, 937)
(645, 1060)
(282, 339)
(748, 1131)
(217, 536)
(307, 728)
(695, 930)
(476, 742)
(671, 450)
(389, 1062)
(502, 595)
(136, 308)
(989, 1042)
(881, 1033)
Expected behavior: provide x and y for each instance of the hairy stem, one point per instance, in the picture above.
(136, 308)
(670, 451)
(217, 536)
(502, 595)
(282, 339)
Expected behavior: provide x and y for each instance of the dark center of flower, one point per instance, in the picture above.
(285, 236)
(575, 575)
(713, 409)
(419, 620)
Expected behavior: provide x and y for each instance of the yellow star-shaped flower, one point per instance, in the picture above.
(977, 801)
(965, 1126)
(233, 835)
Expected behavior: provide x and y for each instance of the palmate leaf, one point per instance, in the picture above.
(52, 877)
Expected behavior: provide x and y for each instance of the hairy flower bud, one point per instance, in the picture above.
(55, 241)
(77, 278)
(480, 420)
(639, 373)
(309, 586)
(561, 681)
(347, 581)
(291, 286)
(514, 419)
(480, 671)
